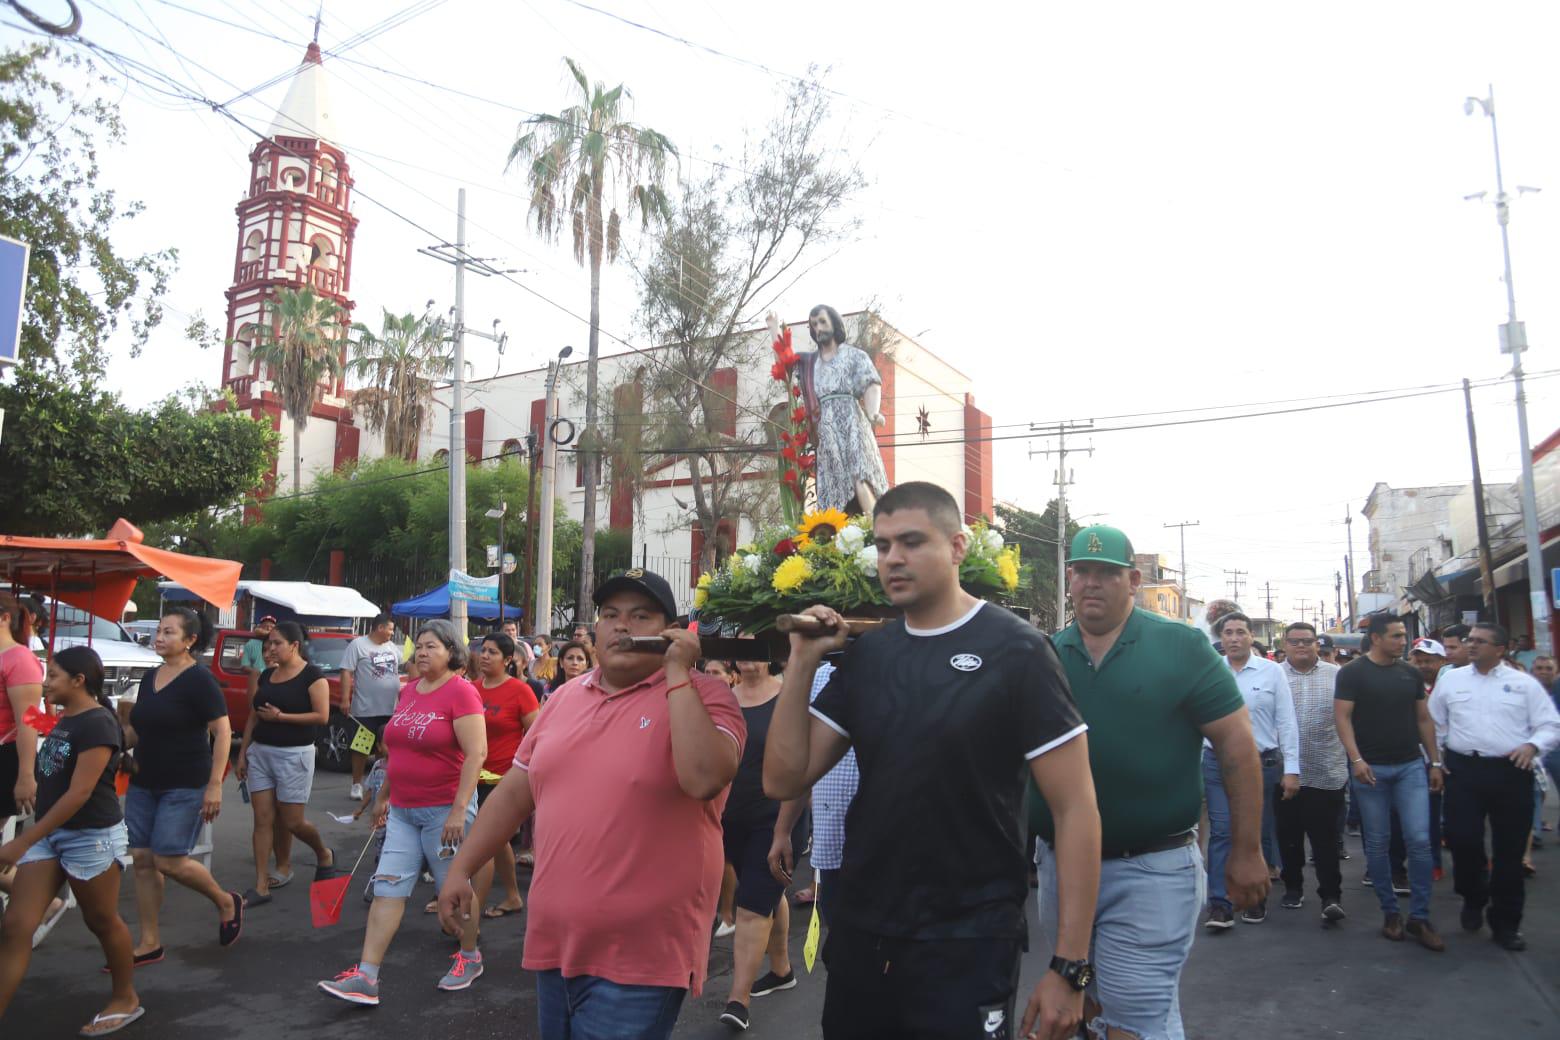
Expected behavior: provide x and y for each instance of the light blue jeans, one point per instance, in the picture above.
(1406, 788)
(1219, 823)
(413, 837)
(1143, 927)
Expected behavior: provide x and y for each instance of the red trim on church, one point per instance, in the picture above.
(977, 461)
(476, 421)
(885, 434)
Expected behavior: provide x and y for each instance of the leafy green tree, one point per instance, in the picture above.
(1036, 534)
(80, 288)
(401, 365)
(299, 343)
(578, 163)
(76, 459)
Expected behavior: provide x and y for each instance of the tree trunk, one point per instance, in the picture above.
(592, 456)
(297, 458)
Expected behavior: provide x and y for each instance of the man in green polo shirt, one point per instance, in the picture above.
(1150, 689)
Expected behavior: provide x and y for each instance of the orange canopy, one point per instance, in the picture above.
(98, 575)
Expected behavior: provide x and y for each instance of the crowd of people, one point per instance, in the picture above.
(664, 799)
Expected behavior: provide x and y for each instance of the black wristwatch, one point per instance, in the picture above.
(1077, 973)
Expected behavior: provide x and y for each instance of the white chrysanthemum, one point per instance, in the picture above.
(994, 541)
(867, 560)
(969, 535)
(850, 539)
(752, 563)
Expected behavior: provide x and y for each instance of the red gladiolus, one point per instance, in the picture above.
(807, 461)
(796, 391)
(785, 547)
(777, 370)
(799, 415)
(788, 453)
(785, 334)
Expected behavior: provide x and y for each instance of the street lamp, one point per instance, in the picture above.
(498, 514)
(544, 535)
(1513, 341)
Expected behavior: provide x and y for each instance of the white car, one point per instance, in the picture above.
(124, 659)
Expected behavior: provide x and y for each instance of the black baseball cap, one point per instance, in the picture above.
(1324, 641)
(637, 579)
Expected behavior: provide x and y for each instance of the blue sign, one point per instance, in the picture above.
(1554, 585)
(480, 590)
(13, 289)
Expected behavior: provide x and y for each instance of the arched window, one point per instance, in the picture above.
(321, 253)
(293, 178)
(441, 455)
(512, 447)
(253, 242)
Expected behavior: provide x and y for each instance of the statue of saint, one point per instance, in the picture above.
(842, 392)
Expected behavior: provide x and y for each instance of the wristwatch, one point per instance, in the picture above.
(1079, 974)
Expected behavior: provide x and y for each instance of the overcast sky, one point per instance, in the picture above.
(1094, 210)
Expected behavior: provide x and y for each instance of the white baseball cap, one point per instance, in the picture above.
(1429, 646)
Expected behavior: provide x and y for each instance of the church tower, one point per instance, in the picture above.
(295, 229)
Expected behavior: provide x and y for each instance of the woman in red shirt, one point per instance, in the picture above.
(510, 706)
(437, 743)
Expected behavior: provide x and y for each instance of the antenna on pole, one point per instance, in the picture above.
(318, 14)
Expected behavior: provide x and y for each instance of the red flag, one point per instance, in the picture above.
(325, 899)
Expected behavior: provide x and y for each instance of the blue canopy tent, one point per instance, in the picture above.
(435, 603)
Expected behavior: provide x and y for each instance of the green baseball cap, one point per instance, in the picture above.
(1101, 544)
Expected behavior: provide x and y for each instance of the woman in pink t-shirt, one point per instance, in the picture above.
(437, 741)
(21, 687)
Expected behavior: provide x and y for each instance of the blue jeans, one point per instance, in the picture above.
(412, 838)
(1405, 788)
(1219, 823)
(590, 1008)
(166, 821)
(1143, 927)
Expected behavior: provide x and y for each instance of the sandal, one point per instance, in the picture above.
(253, 898)
(280, 880)
(526, 858)
(495, 911)
(119, 1018)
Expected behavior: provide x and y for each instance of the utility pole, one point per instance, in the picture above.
(1267, 594)
(1236, 579)
(456, 255)
(1348, 571)
(1338, 591)
(1186, 607)
(528, 569)
(1063, 478)
(1513, 341)
(544, 536)
(1486, 561)
(1302, 608)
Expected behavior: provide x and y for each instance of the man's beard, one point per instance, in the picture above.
(820, 338)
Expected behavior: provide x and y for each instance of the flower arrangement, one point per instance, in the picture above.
(797, 454)
(829, 558)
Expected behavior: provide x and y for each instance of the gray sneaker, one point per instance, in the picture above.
(463, 972)
(353, 986)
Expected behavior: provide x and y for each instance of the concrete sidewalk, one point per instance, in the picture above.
(1287, 978)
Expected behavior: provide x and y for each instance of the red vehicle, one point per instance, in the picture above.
(325, 652)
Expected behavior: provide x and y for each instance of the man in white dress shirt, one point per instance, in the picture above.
(1272, 708)
(1494, 723)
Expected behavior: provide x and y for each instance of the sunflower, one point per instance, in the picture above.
(793, 570)
(820, 527)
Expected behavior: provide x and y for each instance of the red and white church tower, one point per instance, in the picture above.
(295, 228)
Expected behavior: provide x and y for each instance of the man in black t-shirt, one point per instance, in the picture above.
(1379, 705)
(948, 711)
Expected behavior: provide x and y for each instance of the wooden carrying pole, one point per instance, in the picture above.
(746, 649)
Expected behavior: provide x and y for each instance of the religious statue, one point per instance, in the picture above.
(842, 393)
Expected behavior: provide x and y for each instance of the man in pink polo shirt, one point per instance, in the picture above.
(627, 771)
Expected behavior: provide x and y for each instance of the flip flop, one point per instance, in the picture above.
(141, 960)
(229, 931)
(50, 920)
(494, 912)
(253, 898)
(803, 897)
(281, 880)
(431, 907)
(325, 873)
(120, 1020)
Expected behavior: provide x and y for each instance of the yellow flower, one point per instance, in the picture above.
(820, 526)
(701, 595)
(1007, 570)
(704, 580)
(793, 570)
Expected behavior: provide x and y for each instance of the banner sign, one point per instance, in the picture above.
(481, 590)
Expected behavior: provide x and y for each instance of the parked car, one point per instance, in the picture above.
(326, 649)
(124, 659)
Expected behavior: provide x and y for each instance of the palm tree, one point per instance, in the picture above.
(401, 365)
(300, 345)
(574, 159)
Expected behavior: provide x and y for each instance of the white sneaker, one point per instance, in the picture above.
(357, 792)
(723, 929)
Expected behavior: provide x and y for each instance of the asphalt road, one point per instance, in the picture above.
(1287, 978)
